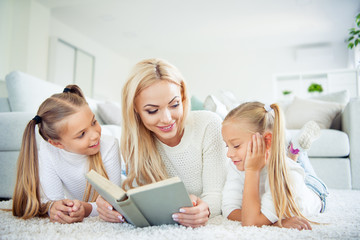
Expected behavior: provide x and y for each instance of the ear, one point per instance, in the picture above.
(56, 144)
(268, 138)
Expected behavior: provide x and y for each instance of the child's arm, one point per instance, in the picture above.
(254, 162)
(233, 192)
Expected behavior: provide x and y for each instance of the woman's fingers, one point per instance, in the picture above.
(106, 211)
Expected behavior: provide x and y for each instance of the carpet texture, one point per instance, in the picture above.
(342, 215)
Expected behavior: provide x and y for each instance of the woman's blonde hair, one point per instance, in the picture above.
(271, 120)
(26, 197)
(138, 148)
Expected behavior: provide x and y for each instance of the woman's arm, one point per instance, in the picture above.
(213, 166)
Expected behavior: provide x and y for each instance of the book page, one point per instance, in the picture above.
(153, 185)
(105, 187)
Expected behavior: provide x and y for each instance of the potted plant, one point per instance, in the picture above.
(315, 87)
(354, 34)
(354, 40)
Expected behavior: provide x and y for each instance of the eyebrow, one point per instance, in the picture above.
(153, 105)
(85, 128)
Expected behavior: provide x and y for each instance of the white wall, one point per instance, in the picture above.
(23, 37)
(26, 27)
(249, 73)
(110, 69)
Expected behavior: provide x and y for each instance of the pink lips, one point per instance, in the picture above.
(94, 146)
(167, 128)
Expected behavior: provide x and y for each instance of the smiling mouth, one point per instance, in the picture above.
(95, 145)
(167, 128)
(237, 162)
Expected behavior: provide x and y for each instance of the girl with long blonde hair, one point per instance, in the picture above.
(162, 138)
(50, 181)
(271, 187)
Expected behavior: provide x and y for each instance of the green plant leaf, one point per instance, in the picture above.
(351, 45)
(356, 42)
(350, 38)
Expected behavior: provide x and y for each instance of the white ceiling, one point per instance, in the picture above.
(130, 27)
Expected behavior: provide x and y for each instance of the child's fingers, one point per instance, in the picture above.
(63, 218)
(68, 202)
(76, 205)
(60, 206)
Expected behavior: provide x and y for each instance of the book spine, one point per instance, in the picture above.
(131, 213)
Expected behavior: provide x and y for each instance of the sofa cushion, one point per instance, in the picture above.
(27, 92)
(331, 143)
(4, 105)
(302, 110)
(12, 127)
(110, 112)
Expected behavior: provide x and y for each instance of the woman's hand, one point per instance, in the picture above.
(67, 211)
(195, 216)
(256, 153)
(106, 211)
(295, 222)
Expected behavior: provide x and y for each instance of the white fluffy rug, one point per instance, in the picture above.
(342, 214)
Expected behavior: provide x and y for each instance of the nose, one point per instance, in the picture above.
(229, 153)
(166, 116)
(95, 134)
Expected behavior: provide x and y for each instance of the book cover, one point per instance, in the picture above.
(148, 205)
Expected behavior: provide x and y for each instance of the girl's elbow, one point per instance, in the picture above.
(251, 222)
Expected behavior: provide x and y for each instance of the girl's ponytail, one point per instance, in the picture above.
(26, 197)
(281, 191)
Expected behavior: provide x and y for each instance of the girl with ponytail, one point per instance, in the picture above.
(50, 177)
(265, 187)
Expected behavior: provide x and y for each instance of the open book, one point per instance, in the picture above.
(148, 205)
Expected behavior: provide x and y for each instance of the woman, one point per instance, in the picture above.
(161, 138)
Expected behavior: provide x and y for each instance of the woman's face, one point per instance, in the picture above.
(161, 110)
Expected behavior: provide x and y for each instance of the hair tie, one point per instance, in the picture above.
(37, 119)
(66, 90)
(267, 108)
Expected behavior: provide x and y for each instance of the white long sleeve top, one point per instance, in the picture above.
(62, 173)
(307, 200)
(199, 159)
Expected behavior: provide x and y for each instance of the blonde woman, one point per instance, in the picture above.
(161, 138)
(71, 145)
(267, 187)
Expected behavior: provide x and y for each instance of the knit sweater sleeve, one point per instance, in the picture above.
(213, 172)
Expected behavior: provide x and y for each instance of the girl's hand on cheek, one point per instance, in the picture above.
(195, 216)
(255, 155)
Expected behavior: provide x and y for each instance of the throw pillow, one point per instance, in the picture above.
(342, 97)
(301, 111)
(196, 104)
(110, 112)
(211, 103)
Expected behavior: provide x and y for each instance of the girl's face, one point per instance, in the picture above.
(80, 133)
(237, 136)
(160, 109)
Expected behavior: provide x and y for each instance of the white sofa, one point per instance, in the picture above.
(25, 94)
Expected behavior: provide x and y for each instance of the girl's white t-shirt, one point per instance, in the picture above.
(62, 173)
(307, 200)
